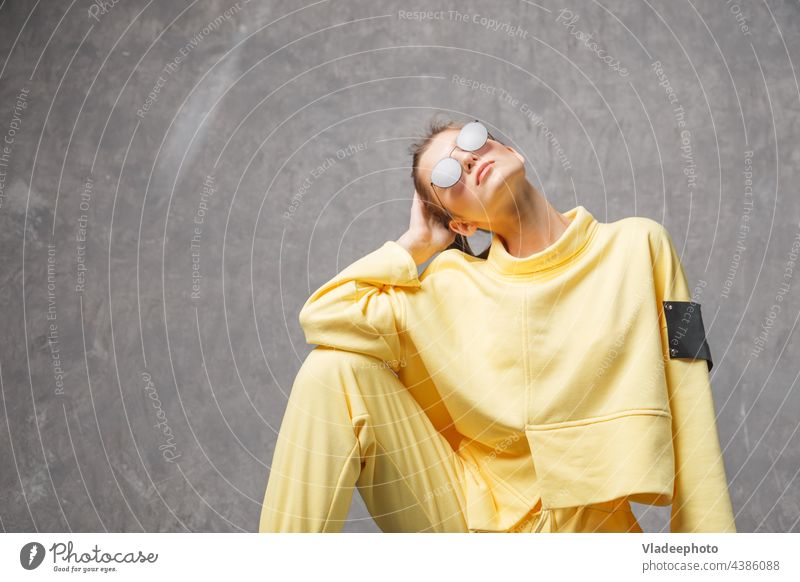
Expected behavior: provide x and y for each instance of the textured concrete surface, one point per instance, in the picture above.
(178, 177)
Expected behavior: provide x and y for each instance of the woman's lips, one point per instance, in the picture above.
(483, 171)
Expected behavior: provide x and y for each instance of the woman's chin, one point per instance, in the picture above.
(492, 187)
(492, 199)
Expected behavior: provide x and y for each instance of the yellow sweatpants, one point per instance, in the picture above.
(349, 423)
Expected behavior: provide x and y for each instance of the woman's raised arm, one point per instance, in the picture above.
(363, 308)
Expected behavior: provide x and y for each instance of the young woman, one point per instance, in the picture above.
(539, 387)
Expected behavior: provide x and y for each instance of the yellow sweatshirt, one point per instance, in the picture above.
(573, 376)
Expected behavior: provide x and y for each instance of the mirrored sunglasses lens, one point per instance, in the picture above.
(446, 172)
(472, 136)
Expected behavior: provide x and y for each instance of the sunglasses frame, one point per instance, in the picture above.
(450, 155)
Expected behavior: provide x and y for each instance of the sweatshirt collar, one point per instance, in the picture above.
(578, 232)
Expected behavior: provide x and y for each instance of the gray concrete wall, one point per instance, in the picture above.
(129, 123)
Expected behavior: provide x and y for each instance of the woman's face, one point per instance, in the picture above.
(480, 192)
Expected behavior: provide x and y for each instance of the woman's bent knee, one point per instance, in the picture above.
(323, 360)
(327, 373)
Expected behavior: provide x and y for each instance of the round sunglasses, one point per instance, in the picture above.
(447, 171)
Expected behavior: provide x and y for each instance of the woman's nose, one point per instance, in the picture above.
(467, 159)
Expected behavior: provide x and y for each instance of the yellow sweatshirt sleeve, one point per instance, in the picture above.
(362, 309)
(701, 501)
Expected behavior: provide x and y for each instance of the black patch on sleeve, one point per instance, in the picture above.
(687, 336)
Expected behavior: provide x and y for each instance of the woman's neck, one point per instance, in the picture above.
(532, 224)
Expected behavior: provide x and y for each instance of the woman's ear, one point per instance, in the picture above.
(464, 228)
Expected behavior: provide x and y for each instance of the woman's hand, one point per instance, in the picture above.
(426, 235)
(428, 227)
